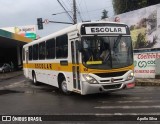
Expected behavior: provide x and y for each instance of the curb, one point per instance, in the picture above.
(147, 82)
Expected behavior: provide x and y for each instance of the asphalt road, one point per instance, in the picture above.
(19, 96)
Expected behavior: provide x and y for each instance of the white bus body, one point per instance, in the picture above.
(58, 59)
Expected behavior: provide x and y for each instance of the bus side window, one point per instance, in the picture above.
(30, 53)
(35, 52)
(42, 47)
(23, 54)
(50, 49)
(62, 46)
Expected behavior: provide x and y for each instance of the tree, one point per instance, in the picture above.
(152, 2)
(122, 6)
(142, 43)
(104, 14)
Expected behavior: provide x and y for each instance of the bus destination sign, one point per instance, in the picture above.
(105, 30)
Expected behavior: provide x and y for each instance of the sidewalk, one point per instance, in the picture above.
(147, 82)
(4, 76)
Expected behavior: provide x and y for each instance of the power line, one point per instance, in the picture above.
(65, 4)
(78, 10)
(70, 3)
(70, 10)
(95, 10)
(87, 10)
(65, 10)
(79, 14)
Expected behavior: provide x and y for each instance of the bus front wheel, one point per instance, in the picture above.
(63, 87)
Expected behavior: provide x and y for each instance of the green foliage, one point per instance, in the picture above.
(136, 32)
(142, 43)
(104, 14)
(122, 6)
(132, 27)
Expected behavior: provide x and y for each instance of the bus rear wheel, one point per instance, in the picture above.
(63, 87)
(35, 82)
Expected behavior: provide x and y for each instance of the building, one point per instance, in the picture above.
(11, 47)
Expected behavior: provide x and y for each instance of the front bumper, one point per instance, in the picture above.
(100, 88)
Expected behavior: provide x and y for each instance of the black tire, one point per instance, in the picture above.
(3, 71)
(63, 87)
(34, 79)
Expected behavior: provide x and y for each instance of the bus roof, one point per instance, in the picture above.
(67, 30)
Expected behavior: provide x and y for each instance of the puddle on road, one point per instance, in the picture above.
(2, 92)
(43, 90)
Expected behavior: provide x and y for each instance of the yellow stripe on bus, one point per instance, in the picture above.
(68, 68)
(48, 66)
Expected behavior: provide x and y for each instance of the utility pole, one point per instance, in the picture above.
(74, 12)
(74, 18)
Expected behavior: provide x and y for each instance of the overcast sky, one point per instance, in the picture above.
(25, 12)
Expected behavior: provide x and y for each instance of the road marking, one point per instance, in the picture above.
(127, 107)
(143, 101)
(12, 85)
(129, 98)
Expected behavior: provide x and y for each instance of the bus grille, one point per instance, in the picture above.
(108, 81)
(113, 74)
(115, 86)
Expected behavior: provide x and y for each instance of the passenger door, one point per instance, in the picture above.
(75, 65)
(26, 64)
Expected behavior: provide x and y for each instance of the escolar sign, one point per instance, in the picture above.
(108, 30)
(43, 66)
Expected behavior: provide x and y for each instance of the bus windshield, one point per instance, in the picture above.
(107, 52)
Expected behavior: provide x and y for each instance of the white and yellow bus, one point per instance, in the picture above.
(84, 58)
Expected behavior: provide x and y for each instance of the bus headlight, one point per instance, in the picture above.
(90, 79)
(130, 76)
